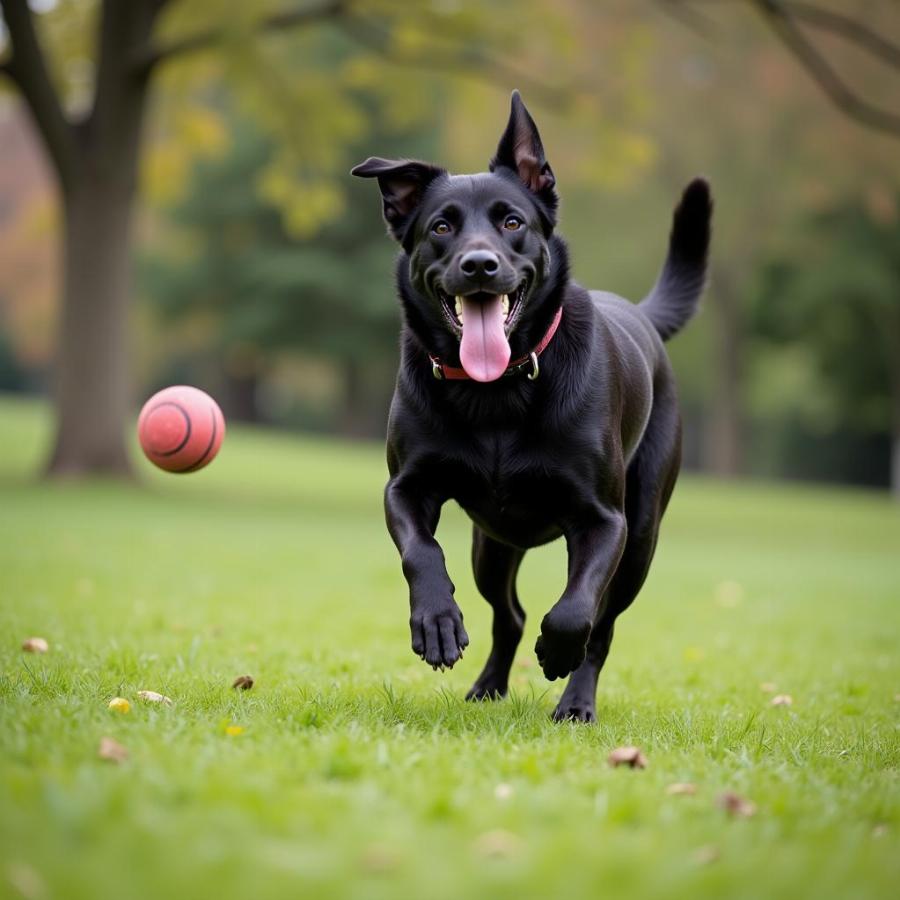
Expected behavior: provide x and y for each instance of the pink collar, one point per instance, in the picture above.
(442, 371)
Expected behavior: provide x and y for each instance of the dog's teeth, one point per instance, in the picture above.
(459, 309)
(505, 304)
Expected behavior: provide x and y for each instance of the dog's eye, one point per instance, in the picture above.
(512, 223)
(441, 227)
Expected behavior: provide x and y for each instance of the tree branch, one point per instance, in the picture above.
(28, 69)
(464, 61)
(781, 22)
(152, 56)
(692, 20)
(849, 29)
(784, 18)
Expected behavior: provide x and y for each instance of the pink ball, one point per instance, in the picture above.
(181, 429)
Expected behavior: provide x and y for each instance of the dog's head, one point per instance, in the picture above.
(477, 248)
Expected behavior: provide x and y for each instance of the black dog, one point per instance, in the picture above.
(543, 409)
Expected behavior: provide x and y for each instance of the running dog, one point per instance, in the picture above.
(543, 409)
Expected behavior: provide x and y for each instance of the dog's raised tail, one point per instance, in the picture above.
(677, 291)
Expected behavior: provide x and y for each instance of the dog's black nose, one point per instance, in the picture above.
(479, 264)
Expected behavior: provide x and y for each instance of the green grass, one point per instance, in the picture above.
(361, 773)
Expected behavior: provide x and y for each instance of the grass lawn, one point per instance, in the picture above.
(360, 772)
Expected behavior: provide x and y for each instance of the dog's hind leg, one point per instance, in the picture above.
(650, 480)
(495, 566)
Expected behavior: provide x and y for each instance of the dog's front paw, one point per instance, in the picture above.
(575, 711)
(438, 635)
(562, 645)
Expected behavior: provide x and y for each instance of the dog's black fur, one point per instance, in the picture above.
(589, 450)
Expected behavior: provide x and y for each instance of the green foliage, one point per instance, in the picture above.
(228, 267)
(264, 288)
(826, 307)
(362, 773)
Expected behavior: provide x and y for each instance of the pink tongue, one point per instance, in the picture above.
(484, 351)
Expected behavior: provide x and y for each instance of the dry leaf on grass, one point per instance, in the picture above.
(768, 687)
(705, 855)
(497, 843)
(378, 858)
(782, 700)
(35, 645)
(681, 789)
(242, 682)
(111, 750)
(627, 756)
(26, 881)
(154, 697)
(729, 594)
(736, 805)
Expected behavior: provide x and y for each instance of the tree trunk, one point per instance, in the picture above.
(240, 400)
(92, 390)
(894, 375)
(724, 434)
(368, 387)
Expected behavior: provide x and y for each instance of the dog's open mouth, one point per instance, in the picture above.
(483, 323)
(510, 306)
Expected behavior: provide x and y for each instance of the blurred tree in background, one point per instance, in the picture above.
(830, 327)
(247, 297)
(89, 97)
(264, 270)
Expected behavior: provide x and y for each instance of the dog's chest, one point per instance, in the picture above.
(509, 487)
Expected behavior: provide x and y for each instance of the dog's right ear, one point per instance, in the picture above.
(402, 183)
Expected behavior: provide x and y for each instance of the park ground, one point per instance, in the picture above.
(353, 770)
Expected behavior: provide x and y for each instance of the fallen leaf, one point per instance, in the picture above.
(705, 855)
(497, 843)
(782, 700)
(119, 705)
(244, 682)
(234, 730)
(729, 594)
(736, 805)
(525, 663)
(681, 789)
(627, 756)
(378, 858)
(503, 791)
(768, 687)
(35, 645)
(154, 697)
(111, 750)
(26, 881)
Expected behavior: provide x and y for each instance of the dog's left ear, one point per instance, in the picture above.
(521, 150)
(402, 183)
